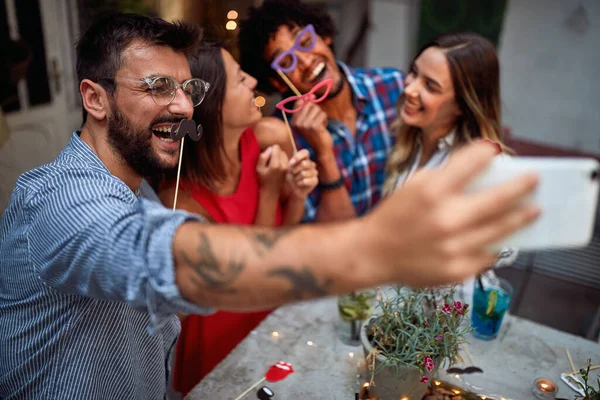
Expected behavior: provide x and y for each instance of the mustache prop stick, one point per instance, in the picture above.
(179, 131)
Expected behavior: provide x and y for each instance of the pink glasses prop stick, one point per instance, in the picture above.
(179, 131)
(305, 99)
(277, 372)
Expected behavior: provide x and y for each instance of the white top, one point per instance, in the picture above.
(438, 158)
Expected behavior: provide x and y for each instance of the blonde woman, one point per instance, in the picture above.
(451, 97)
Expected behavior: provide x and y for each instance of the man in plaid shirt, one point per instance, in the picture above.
(348, 133)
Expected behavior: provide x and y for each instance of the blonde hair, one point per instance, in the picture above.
(476, 79)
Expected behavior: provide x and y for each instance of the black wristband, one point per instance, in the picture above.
(332, 185)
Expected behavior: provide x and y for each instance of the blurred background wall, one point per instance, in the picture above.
(547, 48)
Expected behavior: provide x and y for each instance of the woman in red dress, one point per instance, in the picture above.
(240, 172)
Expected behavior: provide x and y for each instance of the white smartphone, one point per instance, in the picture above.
(567, 194)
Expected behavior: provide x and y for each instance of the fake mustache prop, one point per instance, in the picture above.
(468, 370)
(187, 127)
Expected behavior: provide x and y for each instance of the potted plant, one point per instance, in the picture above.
(589, 392)
(412, 333)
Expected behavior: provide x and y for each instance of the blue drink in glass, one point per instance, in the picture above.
(490, 303)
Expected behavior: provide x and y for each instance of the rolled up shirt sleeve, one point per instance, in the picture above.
(92, 237)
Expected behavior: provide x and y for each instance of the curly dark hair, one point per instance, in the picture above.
(262, 23)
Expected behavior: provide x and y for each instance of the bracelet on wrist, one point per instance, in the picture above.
(338, 183)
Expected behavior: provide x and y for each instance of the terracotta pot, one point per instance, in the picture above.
(389, 385)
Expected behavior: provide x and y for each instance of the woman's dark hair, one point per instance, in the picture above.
(99, 49)
(204, 162)
(262, 23)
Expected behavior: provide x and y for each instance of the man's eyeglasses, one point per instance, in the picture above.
(305, 41)
(163, 88)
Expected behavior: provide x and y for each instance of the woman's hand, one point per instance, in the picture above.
(302, 175)
(271, 169)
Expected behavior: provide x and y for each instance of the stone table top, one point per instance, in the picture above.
(326, 368)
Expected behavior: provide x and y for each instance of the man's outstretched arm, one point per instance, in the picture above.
(427, 233)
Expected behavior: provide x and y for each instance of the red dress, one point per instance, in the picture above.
(206, 340)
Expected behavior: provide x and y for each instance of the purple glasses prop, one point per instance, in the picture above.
(307, 97)
(305, 41)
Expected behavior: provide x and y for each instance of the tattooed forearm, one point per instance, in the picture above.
(304, 283)
(208, 270)
(265, 241)
(268, 240)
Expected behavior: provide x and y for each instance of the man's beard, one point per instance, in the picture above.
(336, 89)
(134, 145)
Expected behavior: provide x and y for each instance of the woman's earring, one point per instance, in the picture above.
(200, 131)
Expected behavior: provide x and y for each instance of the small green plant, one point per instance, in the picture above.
(354, 309)
(356, 306)
(589, 393)
(418, 328)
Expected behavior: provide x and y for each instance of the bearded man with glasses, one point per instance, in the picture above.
(92, 273)
(140, 146)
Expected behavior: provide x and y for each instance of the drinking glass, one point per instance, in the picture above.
(490, 303)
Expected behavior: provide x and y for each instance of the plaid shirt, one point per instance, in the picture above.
(361, 158)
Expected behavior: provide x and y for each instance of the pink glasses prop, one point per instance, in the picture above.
(306, 97)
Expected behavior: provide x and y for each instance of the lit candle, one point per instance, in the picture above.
(544, 388)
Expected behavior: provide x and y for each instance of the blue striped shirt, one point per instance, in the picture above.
(87, 290)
